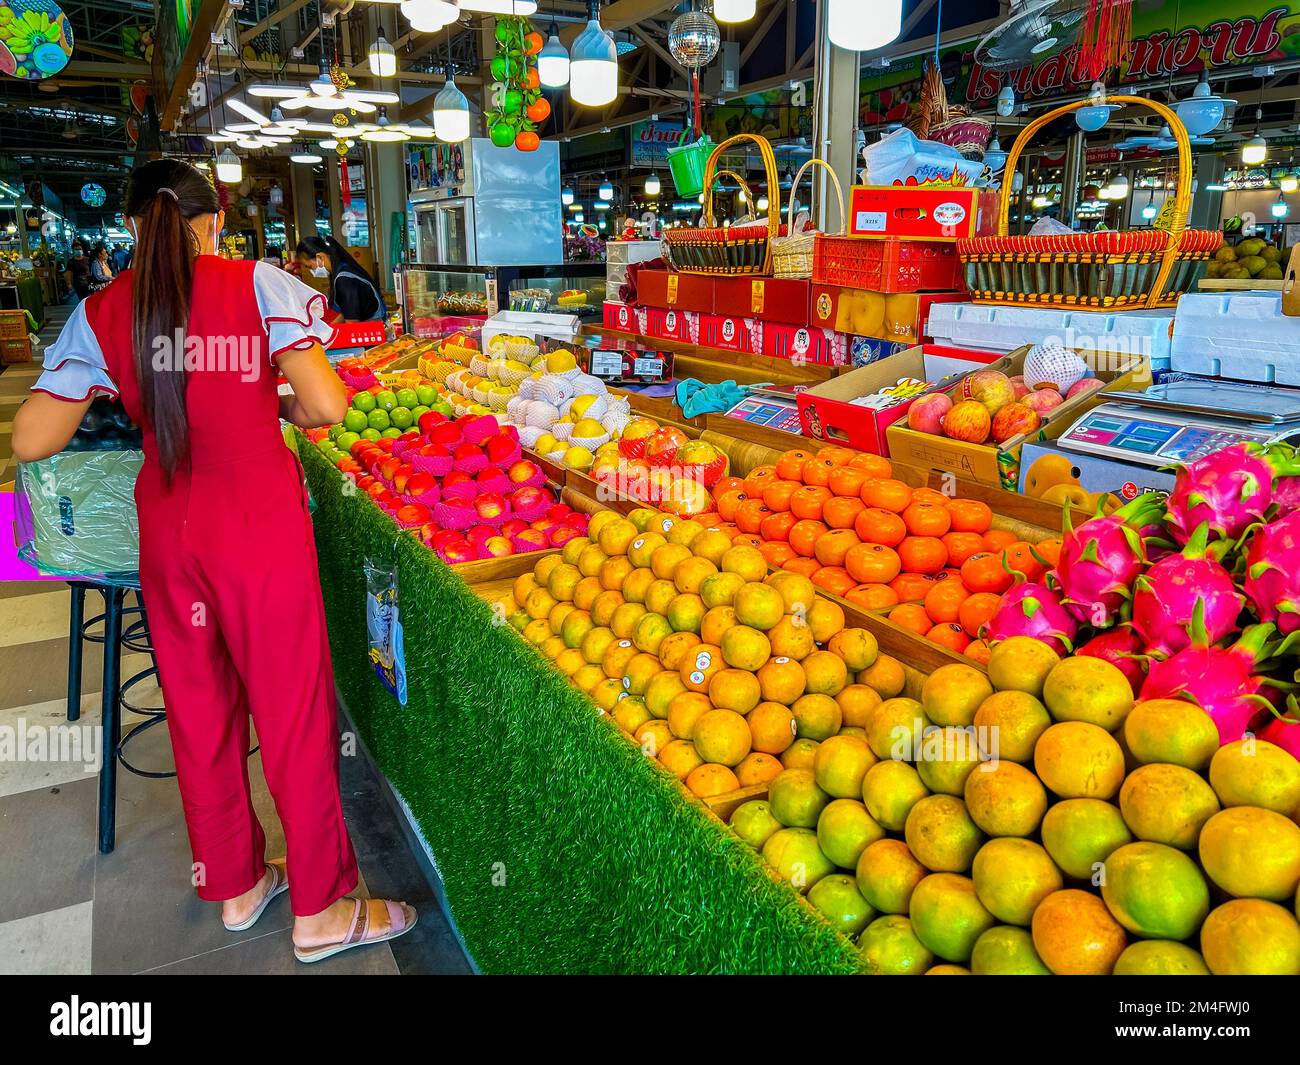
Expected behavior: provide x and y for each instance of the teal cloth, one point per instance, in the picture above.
(696, 398)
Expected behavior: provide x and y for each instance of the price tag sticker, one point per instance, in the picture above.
(757, 296)
(673, 280)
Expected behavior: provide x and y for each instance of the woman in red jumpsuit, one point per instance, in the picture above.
(191, 343)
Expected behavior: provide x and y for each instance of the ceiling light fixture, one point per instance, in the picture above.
(593, 65)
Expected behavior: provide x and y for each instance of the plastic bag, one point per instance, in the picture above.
(75, 515)
(384, 628)
(900, 156)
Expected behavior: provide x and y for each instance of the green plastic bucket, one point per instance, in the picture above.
(688, 163)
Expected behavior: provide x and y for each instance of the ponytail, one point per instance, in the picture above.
(162, 197)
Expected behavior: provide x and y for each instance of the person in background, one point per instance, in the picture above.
(274, 256)
(101, 270)
(224, 527)
(121, 258)
(354, 294)
(79, 268)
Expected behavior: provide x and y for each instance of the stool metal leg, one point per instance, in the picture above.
(110, 719)
(76, 616)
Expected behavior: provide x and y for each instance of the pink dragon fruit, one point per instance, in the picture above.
(1032, 609)
(1272, 582)
(1100, 560)
(1229, 490)
(1122, 648)
(1284, 733)
(1286, 483)
(1221, 681)
(1173, 590)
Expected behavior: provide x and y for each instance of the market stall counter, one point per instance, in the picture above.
(561, 847)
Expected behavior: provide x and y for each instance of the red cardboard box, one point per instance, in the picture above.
(682, 326)
(922, 213)
(682, 292)
(731, 333)
(898, 316)
(820, 347)
(770, 298)
(623, 318)
(887, 265)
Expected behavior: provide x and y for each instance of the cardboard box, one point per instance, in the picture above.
(772, 299)
(922, 213)
(731, 333)
(13, 325)
(1051, 473)
(14, 351)
(827, 413)
(900, 316)
(682, 292)
(999, 466)
(623, 318)
(682, 326)
(821, 347)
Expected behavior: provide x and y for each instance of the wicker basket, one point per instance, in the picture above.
(732, 251)
(1117, 270)
(792, 254)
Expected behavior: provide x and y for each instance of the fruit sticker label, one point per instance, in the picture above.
(384, 629)
(950, 214)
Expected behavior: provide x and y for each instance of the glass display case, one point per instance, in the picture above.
(574, 290)
(433, 293)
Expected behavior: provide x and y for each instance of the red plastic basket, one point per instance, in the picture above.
(887, 265)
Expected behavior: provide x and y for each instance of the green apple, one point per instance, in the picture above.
(325, 444)
(378, 419)
(426, 394)
(416, 412)
(370, 434)
(335, 430)
(408, 398)
(346, 440)
(364, 402)
(443, 407)
(385, 400)
(392, 432)
(354, 421)
(401, 417)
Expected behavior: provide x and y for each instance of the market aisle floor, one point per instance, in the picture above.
(64, 908)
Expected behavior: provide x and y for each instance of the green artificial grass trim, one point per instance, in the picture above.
(562, 848)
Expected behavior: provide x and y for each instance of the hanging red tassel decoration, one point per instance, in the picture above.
(699, 107)
(345, 186)
(1106, 40)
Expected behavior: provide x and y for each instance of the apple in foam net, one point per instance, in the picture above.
(490, 505)
(562, 534)
(413, 514)
(559, 511)
(454, 478)
(513, 527)
(523, 470)
(498, 547)
(534, 539)
(459, 551)
(499, 448)
(389, 466)
(401, 478)
(578, 521)
(526, 499)
(430, 420)
(480, 534)
(421, 483)
(440, 538)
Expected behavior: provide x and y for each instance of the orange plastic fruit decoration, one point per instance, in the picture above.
(923, 554)
(887, 494)
(872, 563)
(950, 636)
(975, 611)
(808, 502)
(911, 616)
(841, 512)
(833, 545)
(984, 573)
(872, 596)
(970, 515)
(804, 535)
(961, 545)
(789, 466)
(834, 579)
(877, 526)
(926, 519)
(758, 479)
(943, 601)
(872, 465)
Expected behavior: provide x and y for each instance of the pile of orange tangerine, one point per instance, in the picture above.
(932, 563)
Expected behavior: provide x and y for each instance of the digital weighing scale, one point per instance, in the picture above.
(1179, 421)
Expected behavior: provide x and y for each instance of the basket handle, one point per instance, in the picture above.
(773, 180)
(743, 189)
(835, 183)
(1182, 196)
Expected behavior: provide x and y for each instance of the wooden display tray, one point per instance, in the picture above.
(1230, 284)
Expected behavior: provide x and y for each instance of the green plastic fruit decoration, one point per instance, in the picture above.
(502, 134)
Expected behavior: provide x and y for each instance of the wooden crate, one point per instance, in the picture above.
(15, 351)
(13, 325)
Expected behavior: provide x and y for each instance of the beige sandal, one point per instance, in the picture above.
(279, 885)
(401, 919)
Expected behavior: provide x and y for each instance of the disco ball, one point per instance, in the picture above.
(93, 195)
(694, 40)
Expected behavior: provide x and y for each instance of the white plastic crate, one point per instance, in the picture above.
(1243, 335)
(1004, 329)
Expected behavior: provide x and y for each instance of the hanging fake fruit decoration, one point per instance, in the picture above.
(35, 39)
(520, 108)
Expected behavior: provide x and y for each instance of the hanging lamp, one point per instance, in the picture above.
(734, 10)
(593, 63)
(553, 61)
(230, 168)
(382, 58)
(859, 27)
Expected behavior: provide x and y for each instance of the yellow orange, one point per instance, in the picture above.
(711, 544)
(675, 647)
(709, 780)
(817, 716)
(857, 701)
(746, 561)
(584, 595)
(623, 622)
(570, 553)
(692, 572)
(614, 571)
(526, 582)
(603, 607)
(825, 619)
(608, 692)
(539, 603)
(650, 631)
(659, 595)
(826, 673)
(662, 689)
(630, 714)
(734, 689)
(615, 536)
(684, 710)
(590, 560)
(791, 639)
(781, 680)
(700, 665)
(616, 658)
(641, 550)
(569, 661)
(800, 754)
(759, 605)
(1075, 934)
(686, 612)
(797, 591)
(715, 623)
(639, 671)
(665, 560)
(653, 737)
(719, 589)
(745, 648)
(637, 585)
(680, 758)
(886, 676)
(857, 647)
(758, 768)
(772, 726)
(722, 736)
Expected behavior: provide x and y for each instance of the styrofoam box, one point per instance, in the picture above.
(1239, 334)
(1003, 329)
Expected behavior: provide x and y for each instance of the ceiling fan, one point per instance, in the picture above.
(1035, 30)
(323, 93)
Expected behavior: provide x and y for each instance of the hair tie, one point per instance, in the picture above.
(170, 192)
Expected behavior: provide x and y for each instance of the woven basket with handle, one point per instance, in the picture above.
(792, 254)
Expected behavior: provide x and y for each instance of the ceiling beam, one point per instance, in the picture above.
(273, 19)
(760, 33)
(622, 15)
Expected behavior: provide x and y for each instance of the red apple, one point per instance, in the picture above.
(402, 477)
(376, 489)
(499, 448)
(359, 448)
(430, 420)
(535, 539)
(513, 527)
(434, 451)
(559, 511)
(348, 465)
(1019, 387)
(385, 443)
(454, 478)
(490, 505)
(523, 470)
(467, 452)
(389, 466)
(926, 414)
(1083, 386)
(413, 514)
(545, 525)
(420, 483)
(578, 521)
(1015, 419)
(498, 547)
(527, 499)
(968, 420)
(459, 502)
(481, 534)
(447, 434)
(460, 551)
(365, 481)
(562, 534)
(1043, 400)
(443, 537)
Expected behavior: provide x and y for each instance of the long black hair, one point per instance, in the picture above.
(341, 260)
(162, 196)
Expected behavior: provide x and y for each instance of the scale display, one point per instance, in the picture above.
(1160, 438)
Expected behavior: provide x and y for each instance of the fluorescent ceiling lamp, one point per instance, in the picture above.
(1149, 211)
(606, 190)
(1288, 183)
(304, 157)
(1118, 188)
(593, 67)
(553, 62)
(382, 58)
(601, 205)
(652, 184)
(383, 131)
(229, 168)
(859, 27)
(430, 15)
(1254, 151)
(1279, 208)
(451, 113)
(733, 10)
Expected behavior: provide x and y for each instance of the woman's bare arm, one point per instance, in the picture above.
(319, 397)
(44, 426)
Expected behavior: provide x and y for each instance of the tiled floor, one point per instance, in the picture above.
(65, 908)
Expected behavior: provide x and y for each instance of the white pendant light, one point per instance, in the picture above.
(733, 10)
(1118, 188)
(230, 169)
(429, 16)
(451, 113)
(652, 184)
(1254, 151)
(1279, 208)
(382, 57)
(567, 197)
(304, 157)
(859, 27)
(763, 203)
(1288, 183)
(553, 61)
(1006, 101)
(593, 64)
(601, 205)
(606, 189)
